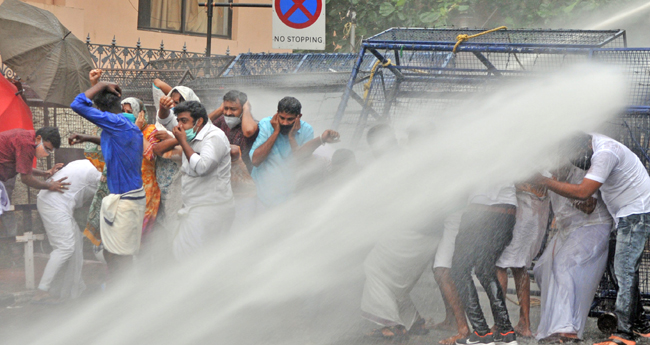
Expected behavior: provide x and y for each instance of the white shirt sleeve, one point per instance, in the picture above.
(212, 152)
(602, 164)
(169, 123)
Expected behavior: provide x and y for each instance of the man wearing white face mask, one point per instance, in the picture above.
(235, 119)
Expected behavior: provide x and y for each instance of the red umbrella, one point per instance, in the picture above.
(14, 113)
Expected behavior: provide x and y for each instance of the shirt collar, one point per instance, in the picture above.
(204, 131)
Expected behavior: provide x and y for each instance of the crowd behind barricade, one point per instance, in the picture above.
(164, 190)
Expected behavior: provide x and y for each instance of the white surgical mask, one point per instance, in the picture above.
(232, 121)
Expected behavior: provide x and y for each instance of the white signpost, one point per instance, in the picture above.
(299, 24)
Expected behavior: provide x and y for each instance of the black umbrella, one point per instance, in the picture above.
(46, 55)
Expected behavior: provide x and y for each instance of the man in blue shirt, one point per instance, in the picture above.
(283, 140)
(122, 212)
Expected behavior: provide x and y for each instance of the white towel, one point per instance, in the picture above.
(122, 216)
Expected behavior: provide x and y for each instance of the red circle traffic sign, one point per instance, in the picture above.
(298, 6)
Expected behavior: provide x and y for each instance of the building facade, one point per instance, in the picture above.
(177, 23)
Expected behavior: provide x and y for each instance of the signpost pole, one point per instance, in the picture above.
(208, 46)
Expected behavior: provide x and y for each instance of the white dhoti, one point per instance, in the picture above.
(568, 274)
(528, 233)
(121, 218)
(66, 258)
(392, 268)
(200, 224)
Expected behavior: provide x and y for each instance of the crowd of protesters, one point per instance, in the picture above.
(162, 189)
(191, 177)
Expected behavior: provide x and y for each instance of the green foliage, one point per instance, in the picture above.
(376, 16)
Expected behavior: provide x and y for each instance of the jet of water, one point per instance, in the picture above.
(613, 20)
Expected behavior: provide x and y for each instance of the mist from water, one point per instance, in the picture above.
(295, 275)
(621, 17)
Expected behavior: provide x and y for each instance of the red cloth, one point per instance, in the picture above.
(17, 152)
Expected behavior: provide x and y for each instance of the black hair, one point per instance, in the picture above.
(196, 110)
(181, 98)
(579, 141)
(378, 131)
(234, 96)
(105, 100)
(289, 105)
(50, 134)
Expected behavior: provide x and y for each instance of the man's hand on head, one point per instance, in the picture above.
(58, 186)
(330, 136)
(275, 122)
(113, 88)
(166, 102)
(295, 128)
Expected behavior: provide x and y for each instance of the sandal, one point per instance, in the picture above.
(418, 328)
(396, 333)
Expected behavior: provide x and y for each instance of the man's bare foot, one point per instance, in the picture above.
(568, 335)
(452, 340)
(523, 330)
(446, 325)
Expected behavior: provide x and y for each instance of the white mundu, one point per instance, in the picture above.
(626, 185)
(570, 269)
(57, 212)
(392, 268)
(528, 233)
(208, 205)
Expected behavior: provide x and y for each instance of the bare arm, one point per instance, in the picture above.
(581, 191)
(216, 113)
(306, 150)
(164, 146)
(76, 138)
(58, 186)
(263, 151)
(248, 124)
(112, 87)
(164, 87)
(260, 153)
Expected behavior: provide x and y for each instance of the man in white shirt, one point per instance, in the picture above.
(208, 207)
(485, 231)
(57, 212)
(625, 187)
